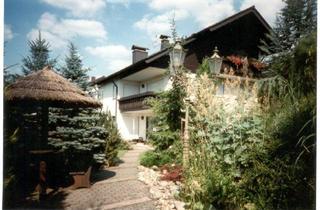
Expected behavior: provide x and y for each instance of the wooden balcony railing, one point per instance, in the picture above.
(135, 102)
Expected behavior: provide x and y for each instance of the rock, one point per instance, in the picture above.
(179, 205)
(174, 189)
(155, 193)
(250, 206)
(162, 191)
(163, 183)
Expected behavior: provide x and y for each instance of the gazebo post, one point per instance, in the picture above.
(44, 122)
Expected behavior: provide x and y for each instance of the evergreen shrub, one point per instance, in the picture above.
(113, 138)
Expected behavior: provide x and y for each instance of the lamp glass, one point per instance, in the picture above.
(215, 62)
(177, 56)
(215, 65)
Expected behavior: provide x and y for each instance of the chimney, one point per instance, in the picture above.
(93, 79)
(164, 42)
(138, 53)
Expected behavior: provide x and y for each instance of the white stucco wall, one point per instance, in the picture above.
(106, 97)
(130, 88)
(157, 84)
(131, 125)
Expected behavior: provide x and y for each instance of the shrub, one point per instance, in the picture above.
(124, 145)
(113, 139)
(242, 155)
(149, 159)
(167, 108)
(224, 133)
(160, 158)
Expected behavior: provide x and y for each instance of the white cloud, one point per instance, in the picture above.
(204, 12)
(115, 57)
(59, 31)
(125, 2)
(268, 8)
(78, 7)
(8, 34)
(159, 24)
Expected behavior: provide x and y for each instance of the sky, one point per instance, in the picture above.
(104, 30)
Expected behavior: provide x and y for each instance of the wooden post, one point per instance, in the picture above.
(42, 180)
(44, 126)
(186, 138)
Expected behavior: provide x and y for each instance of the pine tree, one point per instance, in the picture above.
(39, 56)
(73, 68)
(296, 19)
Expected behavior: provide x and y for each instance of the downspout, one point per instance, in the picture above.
(116, 105)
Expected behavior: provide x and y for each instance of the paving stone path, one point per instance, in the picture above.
(115, 188)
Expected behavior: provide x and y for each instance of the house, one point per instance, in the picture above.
(123, 92)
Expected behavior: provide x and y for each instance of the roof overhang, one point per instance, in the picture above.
(145, 74)
(145, 63)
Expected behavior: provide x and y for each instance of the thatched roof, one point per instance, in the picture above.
(47, 87)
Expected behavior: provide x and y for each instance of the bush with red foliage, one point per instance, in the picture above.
(173, 173)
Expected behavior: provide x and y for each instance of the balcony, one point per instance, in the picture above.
(135, 102)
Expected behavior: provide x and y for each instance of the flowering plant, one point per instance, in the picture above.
(235, 60)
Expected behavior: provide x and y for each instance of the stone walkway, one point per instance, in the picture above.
(115, 188)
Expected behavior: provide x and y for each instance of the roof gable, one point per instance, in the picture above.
(162, 54)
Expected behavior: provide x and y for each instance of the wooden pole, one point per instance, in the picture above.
(186, 138)
(44, 125)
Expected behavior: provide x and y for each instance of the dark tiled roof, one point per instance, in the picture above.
(133, 68)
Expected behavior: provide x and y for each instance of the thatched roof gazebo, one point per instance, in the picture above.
(45, 87)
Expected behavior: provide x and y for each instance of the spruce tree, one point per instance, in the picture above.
(78, 134)
(296, 19)
(73, 68)
(77, 131)
(39, 56)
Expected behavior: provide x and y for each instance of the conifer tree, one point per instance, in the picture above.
(77, 131)
(296, 19)
(73, 68)
(113, 137)
(39, 56)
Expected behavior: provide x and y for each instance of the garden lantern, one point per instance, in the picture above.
(177, 55)
(215, 62)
